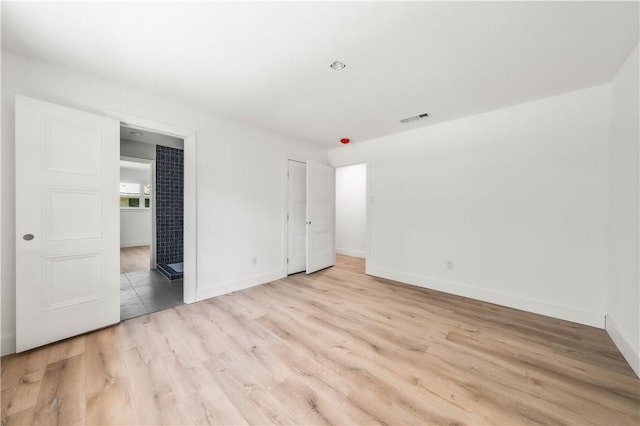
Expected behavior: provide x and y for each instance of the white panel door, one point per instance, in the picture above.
(296, 216)
(67, 222)
(321, 202)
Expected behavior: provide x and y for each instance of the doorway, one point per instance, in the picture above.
(136, 213)
(309, 205)
(151, 222)
(351, 210)
(188, 137)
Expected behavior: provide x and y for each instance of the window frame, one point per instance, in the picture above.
(141, 196)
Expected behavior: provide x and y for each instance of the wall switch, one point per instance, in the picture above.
(254, 260)
(449, 264)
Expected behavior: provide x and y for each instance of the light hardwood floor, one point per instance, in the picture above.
(333, 347)
(134, 259)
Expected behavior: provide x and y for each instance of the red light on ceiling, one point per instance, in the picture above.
(345, 141)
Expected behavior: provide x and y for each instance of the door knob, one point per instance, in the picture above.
(309, 222)
(28, 237)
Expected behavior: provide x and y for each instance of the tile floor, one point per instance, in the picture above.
(143, 292)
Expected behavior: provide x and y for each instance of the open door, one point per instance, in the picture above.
(67, 222)
(321, 199)
(296, 216)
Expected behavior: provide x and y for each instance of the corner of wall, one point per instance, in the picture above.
(8, 344)
(231, 286)
(353, 253)
(623, 345)
(623, 285)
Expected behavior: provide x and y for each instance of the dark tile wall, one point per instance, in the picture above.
(169, 208)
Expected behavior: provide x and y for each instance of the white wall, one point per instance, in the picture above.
(138, 149)
(132, 175)
(516, 198)
(351, 210)
(2, 231)
(135, 224)
(623, 298)
(135, 227)
(240, 182)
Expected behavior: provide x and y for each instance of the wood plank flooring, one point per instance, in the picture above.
(335, 347)
(134, 259)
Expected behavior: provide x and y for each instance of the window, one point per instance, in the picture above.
(134, 195)
(130, 188)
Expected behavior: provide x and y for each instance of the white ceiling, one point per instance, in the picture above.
(128, 133)
(267, 64)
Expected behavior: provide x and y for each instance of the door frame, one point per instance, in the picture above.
(290, 217)
(152, 163)
(190, 283)
(285, 206)
(369, 200)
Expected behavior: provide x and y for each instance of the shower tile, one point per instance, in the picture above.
(169, 206)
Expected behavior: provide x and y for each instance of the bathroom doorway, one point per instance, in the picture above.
(151, 222)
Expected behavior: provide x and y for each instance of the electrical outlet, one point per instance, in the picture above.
(450, 265)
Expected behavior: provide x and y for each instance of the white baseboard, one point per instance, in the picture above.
(568, 313)
(632, 357)
(134, 244)
(229, 287)
(349, 252)
(8, 345)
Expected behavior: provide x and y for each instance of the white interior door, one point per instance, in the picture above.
(321, 200)
(67, 222)
(296, 216)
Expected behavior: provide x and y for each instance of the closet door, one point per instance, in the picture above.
(67, 222)
(321, 196)
(296, 216)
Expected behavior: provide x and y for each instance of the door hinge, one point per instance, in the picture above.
(287, 174)
(287, 216)
(287, 260)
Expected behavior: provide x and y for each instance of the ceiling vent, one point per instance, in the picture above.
(414, 118)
